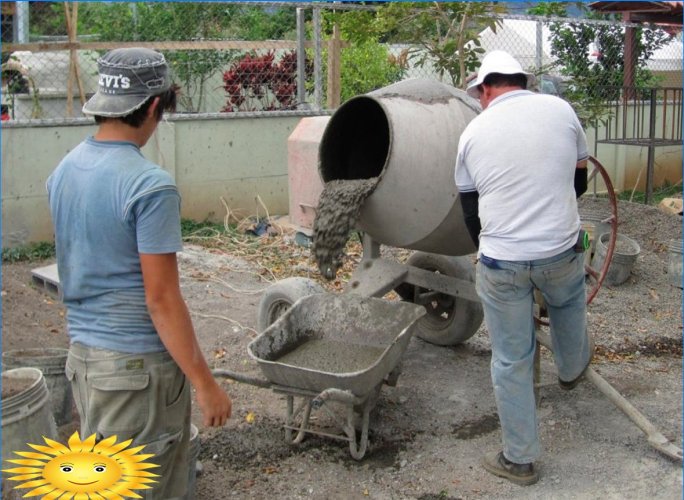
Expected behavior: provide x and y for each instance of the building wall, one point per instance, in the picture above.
(237, 160)
(237, 164)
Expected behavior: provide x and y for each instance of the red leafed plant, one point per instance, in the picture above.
(258, 83)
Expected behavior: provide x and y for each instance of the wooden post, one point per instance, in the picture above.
(334, 73)
(70, 77)
(630, 58)
(72, 24)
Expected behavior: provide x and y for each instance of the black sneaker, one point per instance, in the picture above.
(522, 474)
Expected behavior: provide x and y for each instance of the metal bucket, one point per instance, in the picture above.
(407, 135)
(50, 361)
(625, 255)
(674, 263)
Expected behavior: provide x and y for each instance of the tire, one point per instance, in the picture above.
(449, 320)
(280, 296)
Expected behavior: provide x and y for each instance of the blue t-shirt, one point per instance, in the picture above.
(108, 205)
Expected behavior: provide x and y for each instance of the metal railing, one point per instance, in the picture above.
(648, 118)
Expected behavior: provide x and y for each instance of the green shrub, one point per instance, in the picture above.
(365, 67)
(31, 252)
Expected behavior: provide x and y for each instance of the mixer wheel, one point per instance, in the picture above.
(280, 296)
(449, 320)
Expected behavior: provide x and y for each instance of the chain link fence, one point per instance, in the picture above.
(245, 58)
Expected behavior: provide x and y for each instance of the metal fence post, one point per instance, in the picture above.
(22, 33)
(318, 61)
(651, 148)
(539, 48)
(301, 61)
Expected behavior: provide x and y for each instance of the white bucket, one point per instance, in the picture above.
(193, 453)
(674, 263)
(624, 256)
(26, 415)
(594, 224)
(50, 361)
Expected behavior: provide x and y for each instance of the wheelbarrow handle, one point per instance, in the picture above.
(241, 377)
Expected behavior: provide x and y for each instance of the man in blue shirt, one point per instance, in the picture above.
(116, 217)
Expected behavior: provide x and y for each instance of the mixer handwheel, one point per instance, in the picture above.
(449, 320)
(280, 296)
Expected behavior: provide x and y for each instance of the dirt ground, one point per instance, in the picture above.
(428, 433)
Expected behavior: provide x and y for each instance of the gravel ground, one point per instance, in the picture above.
(427, 434)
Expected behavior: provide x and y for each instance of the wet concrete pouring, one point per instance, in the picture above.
(428, 433)
(338, 211)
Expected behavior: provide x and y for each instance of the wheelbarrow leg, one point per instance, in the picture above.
(357, 451)
(540, 312)
(290, 421)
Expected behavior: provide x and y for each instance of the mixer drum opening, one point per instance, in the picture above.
(356, 141)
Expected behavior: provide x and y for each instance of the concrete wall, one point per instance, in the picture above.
(237, 159)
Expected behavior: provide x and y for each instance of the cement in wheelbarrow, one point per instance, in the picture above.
(338, 341)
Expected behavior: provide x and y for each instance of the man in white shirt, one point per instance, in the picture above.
(521, 164)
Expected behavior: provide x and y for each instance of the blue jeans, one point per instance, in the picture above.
(506, 289)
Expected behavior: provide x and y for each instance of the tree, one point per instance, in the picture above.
(365, 67)
(174, 21)
(151, 21)
(594, 81)
(366, 63)
(444, 34)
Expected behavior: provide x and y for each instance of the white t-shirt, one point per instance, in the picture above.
(520, 155)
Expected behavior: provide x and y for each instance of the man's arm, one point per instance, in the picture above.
(171, 318)
(469, 203)
(581, 182)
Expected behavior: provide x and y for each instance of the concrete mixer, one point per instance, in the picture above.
(406, 135)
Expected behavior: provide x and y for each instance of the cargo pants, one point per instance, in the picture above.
(143, 397)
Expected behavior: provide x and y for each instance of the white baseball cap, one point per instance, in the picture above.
(498, 61)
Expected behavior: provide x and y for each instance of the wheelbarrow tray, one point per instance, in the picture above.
(363, 330)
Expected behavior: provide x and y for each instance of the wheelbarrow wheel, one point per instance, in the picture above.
(280, 296)
(449, 320)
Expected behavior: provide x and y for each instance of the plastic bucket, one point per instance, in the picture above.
(594, 224)
(624, 256)
(193, 453)
(674, 263)
(26, 415)
(51, 362)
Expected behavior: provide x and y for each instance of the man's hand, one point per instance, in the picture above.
(215, 405)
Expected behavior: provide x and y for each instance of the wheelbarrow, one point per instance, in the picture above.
(332, 350)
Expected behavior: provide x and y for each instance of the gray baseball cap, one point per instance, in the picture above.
(127, 78)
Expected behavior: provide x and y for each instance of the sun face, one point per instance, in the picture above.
(84, 472)
(86, 469)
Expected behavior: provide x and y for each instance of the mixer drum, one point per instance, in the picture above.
(407, 134)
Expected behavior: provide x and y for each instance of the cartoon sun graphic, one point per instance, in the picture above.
(85, 470)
